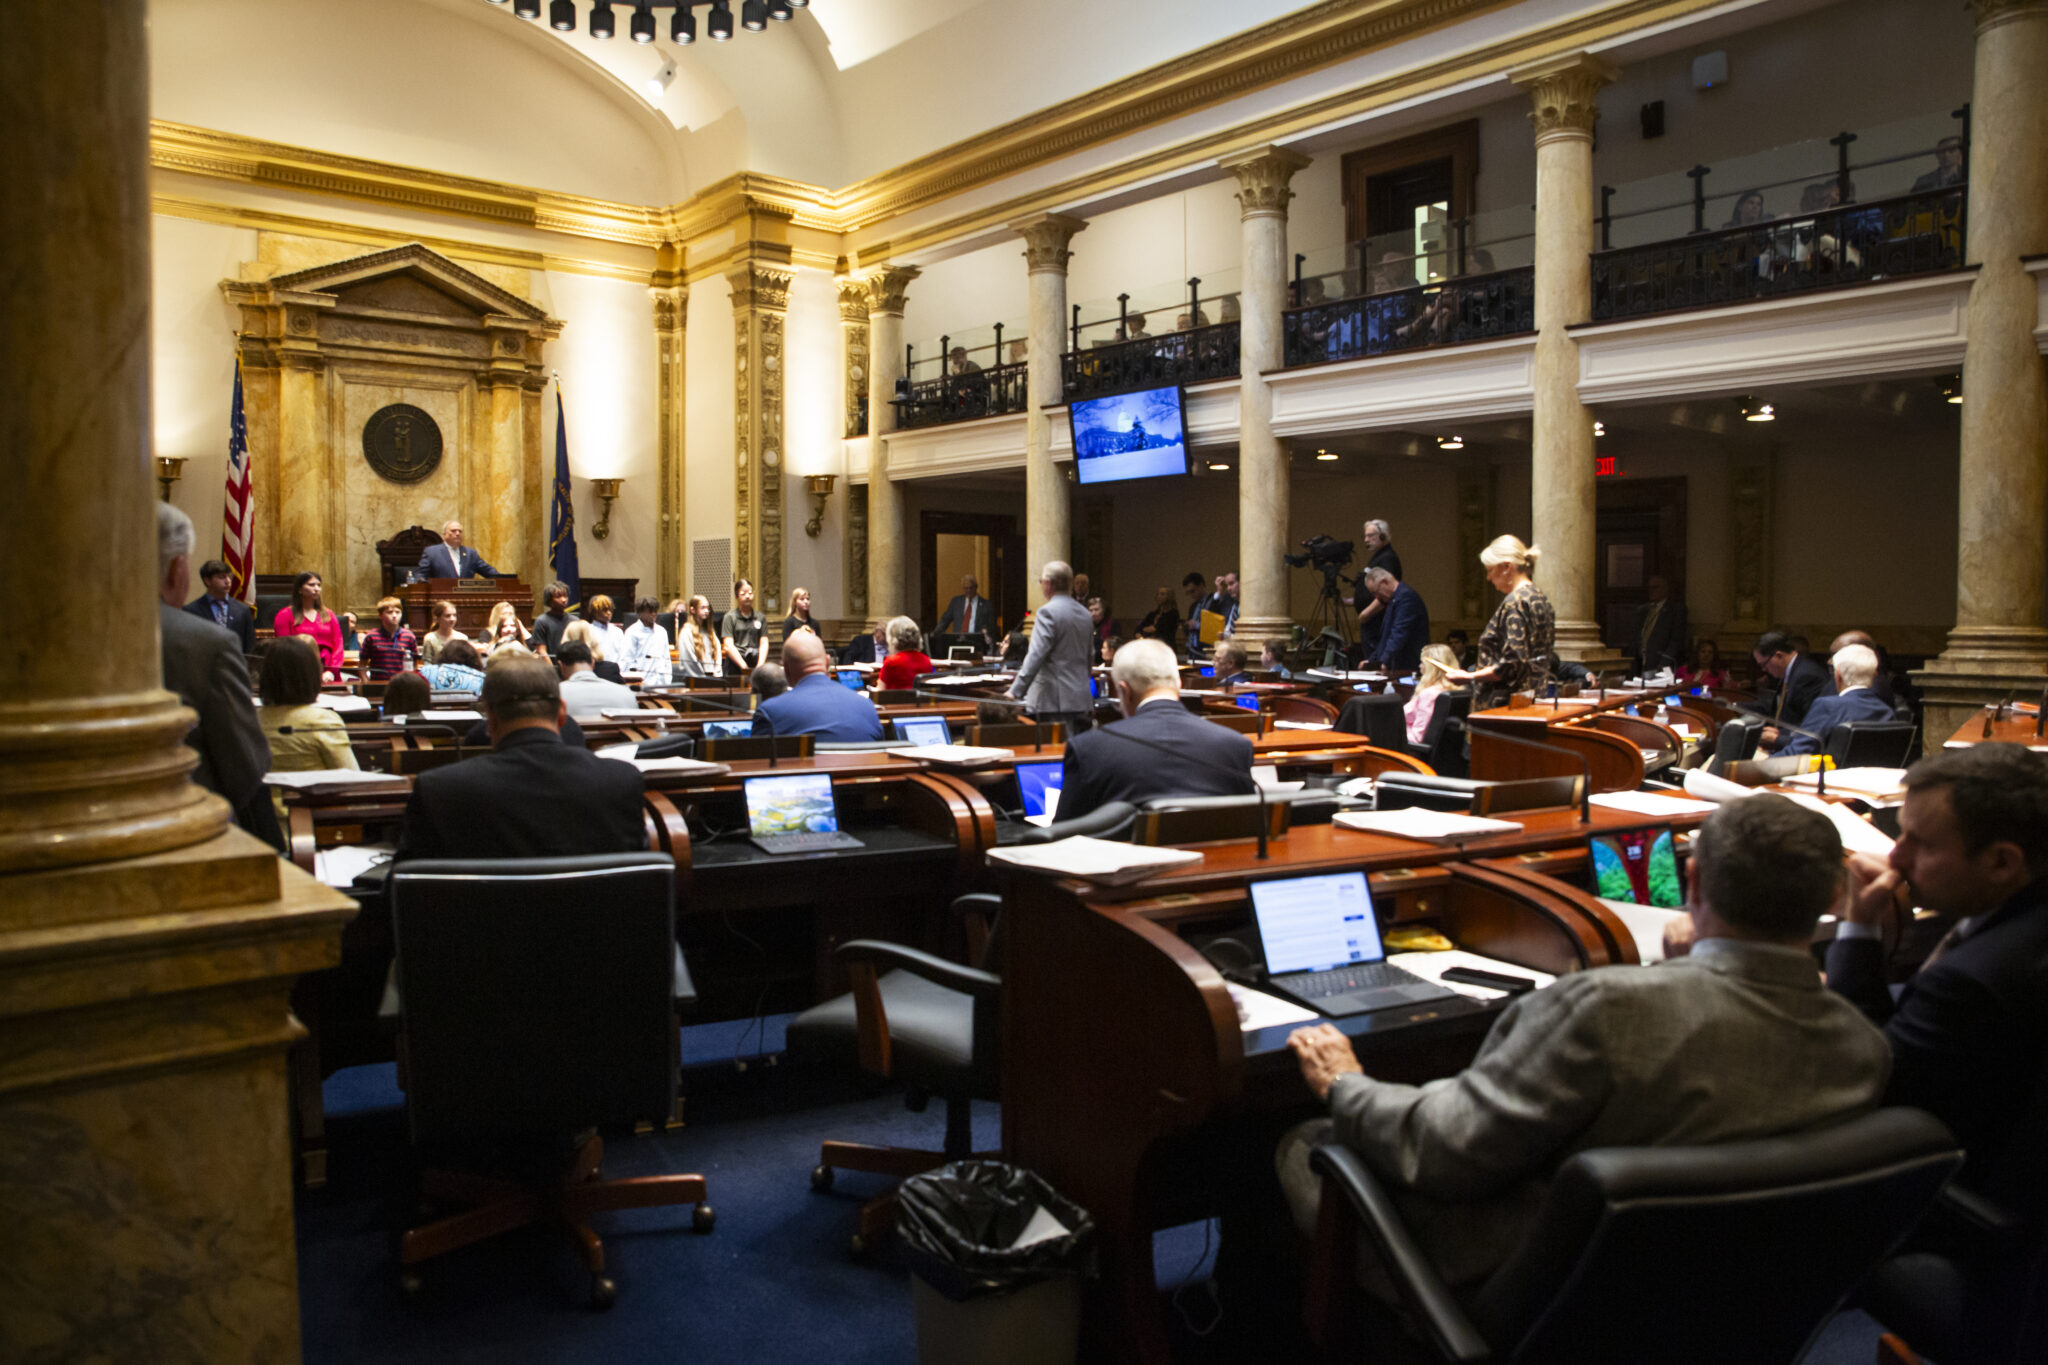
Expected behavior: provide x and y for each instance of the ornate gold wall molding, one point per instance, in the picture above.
(853, 326)
(1564, 92)
(760, 297)
(671, 322)
(857, 551)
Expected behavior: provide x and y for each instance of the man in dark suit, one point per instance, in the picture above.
(1799, 680)
(1969, 1029)
(452, 559)
(224, 611)
(1404, 623)
(1660, 634)
(532, 796)
(1854, 668)
(1882, 685)
(815, 704)
(1378, 539)
(969, 613)
(1158, 749)
(867, 649)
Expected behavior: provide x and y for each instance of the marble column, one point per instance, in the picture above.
(502, 502)
(146, 947)
(1263, 481)
(1998, 642)
(886, 289)
(760, 302)
(1048, 510)
(671, 548)
(1562, 91)
(853, 327)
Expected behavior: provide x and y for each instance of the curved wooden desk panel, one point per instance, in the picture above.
(1371, 762)
(668, 833)
(1641, 732)
(1616, 764)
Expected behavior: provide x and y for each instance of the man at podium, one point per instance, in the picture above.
(452, 559)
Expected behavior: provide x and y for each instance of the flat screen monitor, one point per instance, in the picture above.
(728, 729)
(1248, 701)
(923, 730)
(849, 678)
(1639, 866)
(1208, 670)
(1315, 924)
(800, 804)
(1138, 435)
(1034, 780)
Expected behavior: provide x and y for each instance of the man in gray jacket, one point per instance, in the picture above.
(1737, 1040)
(1053, 682)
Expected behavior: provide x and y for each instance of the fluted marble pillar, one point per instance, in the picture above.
(1263, 481)
(146, 948)
(1048, 512)
(886, 289)
(671, 547)
(853, 327)
(1563, 91)
(1998, 642)
(760, 305)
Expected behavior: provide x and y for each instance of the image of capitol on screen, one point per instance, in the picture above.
(1129, 436)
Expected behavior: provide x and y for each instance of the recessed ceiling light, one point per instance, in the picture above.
(1325, 455)
(1450, 443)
(1599, 428)
(1753, 411)
(1219, 465)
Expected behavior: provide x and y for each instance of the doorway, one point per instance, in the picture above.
(1638, 534)
(1402, 202)
(987, 545)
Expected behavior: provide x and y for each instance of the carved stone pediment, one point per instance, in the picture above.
(400, 274)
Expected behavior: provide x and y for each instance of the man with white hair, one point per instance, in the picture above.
(1053, 681)
(1855, 669)
(1379, 554)
(1404, 629)
(1160, 748)
(452, 559)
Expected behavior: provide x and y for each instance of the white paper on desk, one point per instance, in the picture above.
(1257, 1010)
(670, 765)
(1097, 860)
(347, 703)
(332, 777)
(639, 713)
(1432, 966)
(1645, 925)
(961, 755)
(1429, 826)
(1651, 803)
(342, 864)
(1302, 725)
(449, 717)
(1878, 783)
(1858, 834)
(1268, 776)
(1702, 785)
(1359, 786)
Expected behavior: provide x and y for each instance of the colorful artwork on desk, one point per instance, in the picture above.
(1640, 866)
(798, 804)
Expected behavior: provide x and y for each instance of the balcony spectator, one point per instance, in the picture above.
(1749, 210)
(1134, 328)
(1948, 167)
(958, 363)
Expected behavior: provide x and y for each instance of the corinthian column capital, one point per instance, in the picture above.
(1045, 240)
(853, 300)
(671, 307)
(1262, 175)
(755, 285)
(1563, 93)
(887, 285)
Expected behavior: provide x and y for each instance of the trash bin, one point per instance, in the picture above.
(998, 1257)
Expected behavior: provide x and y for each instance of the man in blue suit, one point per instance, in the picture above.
(815, 704)
(452, 559)
(1854, 699)
(1404, 628)
(1160, 748)
(224, 611)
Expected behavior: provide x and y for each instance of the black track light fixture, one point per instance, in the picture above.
(562, 16)
(642, 27)
(720, 24)
(753, 16)
(527, 9)
(780, 12)
(603, 23)
(682, 28)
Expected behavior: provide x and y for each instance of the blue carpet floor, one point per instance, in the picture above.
(774, 1282)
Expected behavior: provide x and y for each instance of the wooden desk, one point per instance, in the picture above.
(1120, 1040)
(473, 599)
(2016, 728)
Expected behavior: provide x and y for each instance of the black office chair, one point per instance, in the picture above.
(1110, 820)
(934, 1025)
(536, 1000)
(1380, 717)
(1207, 819)
(1443, 739)
(1871, 743)
(1736, 742)
(1740, 1251)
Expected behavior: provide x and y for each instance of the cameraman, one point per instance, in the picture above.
(1379, 554)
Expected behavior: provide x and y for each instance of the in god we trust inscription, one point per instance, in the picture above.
(402, 443)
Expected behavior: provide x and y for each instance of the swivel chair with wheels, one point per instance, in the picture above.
(1736, 743)
(1443, 739)
(1871, 743)
(536, 1001)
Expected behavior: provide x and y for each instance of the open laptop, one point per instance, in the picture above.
(795, 814)
(1039, 784)
(961, 654)
(728, 729)
(1322, 947)
(850, 678)
(922, 730)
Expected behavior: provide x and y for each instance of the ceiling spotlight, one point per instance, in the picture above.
(799, 4)
(1220, 465)
(682, 29)
(753, 16)
(658, 83)
(642, 26)
(1599, 427)
(720, 23)
(1753, 411)
(1952, 392)
(603, 24)
(562, 16)
(1324, 455)
(527, 9)
(780, 11)
(1450, 443)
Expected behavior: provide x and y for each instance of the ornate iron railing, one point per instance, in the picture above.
(1471, 308)
(964, 397)
(1912, 234)
(1152, 362)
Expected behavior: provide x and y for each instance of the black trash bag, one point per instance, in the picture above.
(958, 1223)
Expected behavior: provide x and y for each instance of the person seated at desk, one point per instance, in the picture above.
(586, 696)
(1799, 681)
(306, 616)
(460, 669)
(432, 643)
(1270, 661)
(534, 795)
(815, 704)
(452, 559)
(1437, 663)
(1855, 667)
(237, 618)
(391, 648)
(1230, 664)
(587, 634)
(1160, 748)
(1163, 621)
(767, 680)
(1737, 1039)
(407, 694)
(646, 655)
(1706, 669)
(906, 661)
(1460, 644)
(1404, 624)
(304, 736)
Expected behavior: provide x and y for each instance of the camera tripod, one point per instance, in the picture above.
(1332, 614)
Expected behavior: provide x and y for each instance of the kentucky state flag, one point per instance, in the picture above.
(562, 526)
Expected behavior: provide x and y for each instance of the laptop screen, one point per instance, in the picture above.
(1249, 701)
(728, 729)
(960, 653)
(1312, 924)
(1034, 779)
(798, 804)
(924, 730)
(1208, 670)
(1640, 866)
(850, 678)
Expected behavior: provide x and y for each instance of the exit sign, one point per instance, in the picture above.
(1606, 467)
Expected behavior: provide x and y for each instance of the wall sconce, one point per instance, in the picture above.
(606, 489)
(819, 486)
(169, 468)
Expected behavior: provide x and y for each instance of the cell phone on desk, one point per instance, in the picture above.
(1498, 981)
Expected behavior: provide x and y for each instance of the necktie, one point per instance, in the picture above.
(220, 613)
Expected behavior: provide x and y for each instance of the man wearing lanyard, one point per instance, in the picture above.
(224, 611)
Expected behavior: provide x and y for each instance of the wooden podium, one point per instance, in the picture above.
(473, 599)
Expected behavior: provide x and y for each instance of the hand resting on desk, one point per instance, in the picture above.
(1325, 1054)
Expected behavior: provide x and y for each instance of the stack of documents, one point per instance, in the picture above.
(323, 779)
(346, 703)
(955, 755)
(450, 717)
(1097, 860)
(640, 713)
(341, 865)
(1302, 725)
(1652, 803)
(1427, 826)
(1257, 1010)
(624, 754)
(1432, 966)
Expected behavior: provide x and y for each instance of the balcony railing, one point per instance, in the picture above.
(1912, 234)
(964, 397)
(1188, 357)
(1470, 308)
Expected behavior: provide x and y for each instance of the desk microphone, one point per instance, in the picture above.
(1997, 713)
(436, 728)
(1038, 740)
(2041, 713)
(1585, 790)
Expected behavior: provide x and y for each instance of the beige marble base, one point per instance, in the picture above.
(1981, 666)
(1580, 642)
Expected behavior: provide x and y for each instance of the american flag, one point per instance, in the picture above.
(237, 532)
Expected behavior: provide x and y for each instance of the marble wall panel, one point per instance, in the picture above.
(373, 508)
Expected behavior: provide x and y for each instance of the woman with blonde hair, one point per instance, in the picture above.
(1515, 647)
(590, 634)
(1437, 663)
(504, 625)
(697, 648)
(799, 617)
(443, 631)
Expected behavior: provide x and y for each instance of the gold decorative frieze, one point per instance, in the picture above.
(853, 323)
(671, 318)
(755, 285)
(1262, 175)
(857, 551)
(887, 287)
(760, 295)
(853, 301)
(1046, 236)
(1564, 93)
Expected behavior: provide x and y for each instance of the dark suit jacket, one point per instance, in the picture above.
(438, 561)
(1665, 646)
(1969, 1038)
(818, 706)
(955, 617)
(241, 619)
(1404, 630)
(860, 651)
(478, 736)
(203, 664)
(1858, 703)
(531, 797)
(1804, 681)
(1198, 758)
